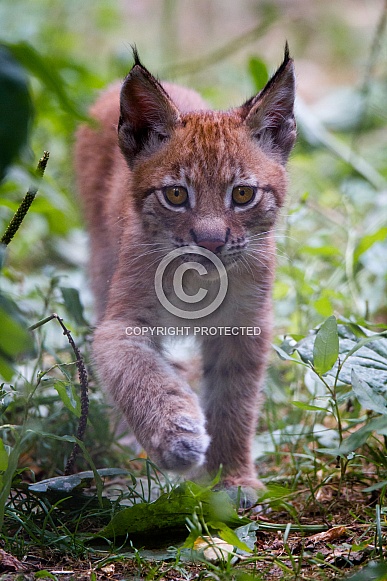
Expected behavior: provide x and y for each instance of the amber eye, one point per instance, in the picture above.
(242, 194)
(176, 195)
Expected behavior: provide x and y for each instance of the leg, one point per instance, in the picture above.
(160, 407)
(233, 367)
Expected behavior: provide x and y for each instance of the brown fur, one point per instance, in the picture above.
(167, 137)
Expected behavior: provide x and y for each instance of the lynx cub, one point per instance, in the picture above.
(207, 185)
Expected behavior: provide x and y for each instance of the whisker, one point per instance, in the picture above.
(261, 262)
(263, 252)
(247, 265)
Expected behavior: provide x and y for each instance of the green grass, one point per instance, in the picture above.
(321, 447)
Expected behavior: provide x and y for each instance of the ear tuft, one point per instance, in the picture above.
(136, 57)
(147, 114)
(270, 114)
(286, 52)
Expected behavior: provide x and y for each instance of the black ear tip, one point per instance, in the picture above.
(136, 57)
(286, 53)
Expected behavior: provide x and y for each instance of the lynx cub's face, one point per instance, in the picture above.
(217, 192)
(206, 178)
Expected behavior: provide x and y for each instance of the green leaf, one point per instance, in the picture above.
(9, 473)
(69, 397)
(15, 340)
(73, 305)
(44, 574)
(14, 337)
(229, 536)
(285, 357)
(376, 486)
(310, 408)
(68, 484)
(326, 346)
(367, 355)
(170, 511)
(358, 438)
(68, 490)
(3, 457)
(368, 240)
(275, 492)
(6, 369)
(247, 534)
(368, 398)
(15, 108)
(380, 348)
(44, 69)
(259, 73)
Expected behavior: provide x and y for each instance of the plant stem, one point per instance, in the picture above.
(83, 380)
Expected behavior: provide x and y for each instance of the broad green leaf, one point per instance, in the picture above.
(15, 108)
(68, 490)
(283, 355)
(6, 370)
(44, 69)
(14, 339)
(73, 305)
(170, 511)
(69, 397)
(259, 73)
(326, 346)
(247, 534)
(379, 347)
(367, 355)
(356, 329)
(368, 398)
(68, 484)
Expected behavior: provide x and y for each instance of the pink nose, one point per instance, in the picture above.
(212, 245)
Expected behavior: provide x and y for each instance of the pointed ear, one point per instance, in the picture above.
(147, 114)
(270, 116)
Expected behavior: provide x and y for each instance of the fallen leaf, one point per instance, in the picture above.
(108, 569)
(10, 563)
(214, 549)
(326, 536)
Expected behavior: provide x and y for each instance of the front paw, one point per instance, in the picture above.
(243, 491)
(181, 445)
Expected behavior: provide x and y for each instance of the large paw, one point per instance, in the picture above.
(181, 445)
